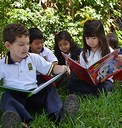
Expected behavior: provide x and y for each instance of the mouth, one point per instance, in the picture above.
(24, 53)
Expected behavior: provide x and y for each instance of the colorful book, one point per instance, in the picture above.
(118, 76)
(36, 90)
(100, 71)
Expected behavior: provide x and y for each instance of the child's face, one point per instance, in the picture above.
(37, 45)
(93, 42)
(64, 46)
(19, 48)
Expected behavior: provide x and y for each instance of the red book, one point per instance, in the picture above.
(118, 76)
(99, 71)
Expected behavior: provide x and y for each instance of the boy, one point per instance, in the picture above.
(18, 70)
(37, 45)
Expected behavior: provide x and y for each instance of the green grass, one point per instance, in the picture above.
(95, 112)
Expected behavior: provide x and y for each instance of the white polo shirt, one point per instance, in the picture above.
(48, 55)
(22, 75)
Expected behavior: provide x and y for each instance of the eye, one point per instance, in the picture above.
(21, 45)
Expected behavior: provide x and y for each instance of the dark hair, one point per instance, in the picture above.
(14, 30)
(35, 33)
(112, 40)
(94, 28)
(74, 49)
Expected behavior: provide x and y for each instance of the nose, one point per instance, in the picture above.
(90, 40)
(63, 47)
(40, 45)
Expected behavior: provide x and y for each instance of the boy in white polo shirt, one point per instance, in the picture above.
(18, 70)
(37, 46)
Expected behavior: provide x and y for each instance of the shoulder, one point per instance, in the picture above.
(36, 59)
(33, 56)
(81, 54)
(46, 49)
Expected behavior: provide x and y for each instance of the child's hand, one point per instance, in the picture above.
(61, 69)
(119, 58)
(68, 70)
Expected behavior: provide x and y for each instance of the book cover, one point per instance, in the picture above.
(99, 71)
(118, 76)
(36, 90)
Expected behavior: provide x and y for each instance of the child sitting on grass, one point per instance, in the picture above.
(37, 46)
(18, 70)
(65, 43)
(95, 47)
(113, 41)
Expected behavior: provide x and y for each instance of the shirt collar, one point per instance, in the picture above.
(8, 59)
(42, 49)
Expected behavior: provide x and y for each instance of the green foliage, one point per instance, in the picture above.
(63, 15)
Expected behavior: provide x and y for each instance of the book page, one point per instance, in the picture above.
(105, 68)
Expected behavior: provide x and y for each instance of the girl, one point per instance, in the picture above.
(64, 43)
(94, 48)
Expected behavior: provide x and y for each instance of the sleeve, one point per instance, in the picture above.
(1, 70)
(82, 62)
(50, 57)
(42, 66)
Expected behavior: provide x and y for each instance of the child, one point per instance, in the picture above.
(113, 41)
(94, 48)
(64, 43)
(37, 45)
(18, 70)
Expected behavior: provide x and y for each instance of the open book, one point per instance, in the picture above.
(34, 91)
(98, 72)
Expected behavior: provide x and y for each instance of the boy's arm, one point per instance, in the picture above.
(60, 69)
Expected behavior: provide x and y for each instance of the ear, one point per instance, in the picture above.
(7, 45)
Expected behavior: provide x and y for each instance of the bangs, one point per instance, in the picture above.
(90, 32)
(90, 29)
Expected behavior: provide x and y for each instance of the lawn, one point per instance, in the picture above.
(94, 112)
